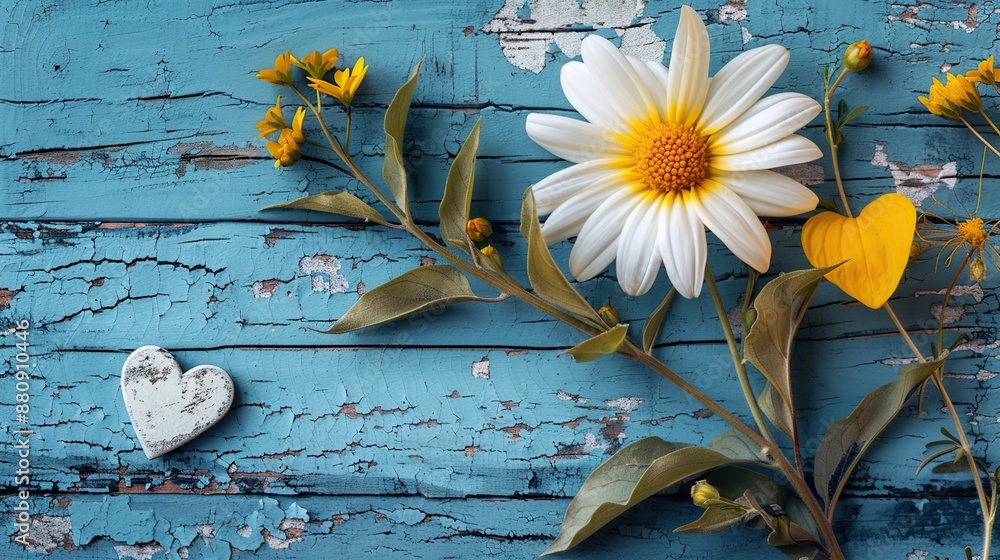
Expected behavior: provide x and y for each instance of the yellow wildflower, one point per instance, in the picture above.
(703, 494)
(937, 102)
(273, 121)
(317, 64)
(281, 74)
(985, 74)
(950, 99)
(345, 84)
(286, 150)
(858, 56)
(972, 232)
(297, 134)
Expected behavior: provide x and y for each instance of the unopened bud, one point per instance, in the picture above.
(609, 315)
(491, 259)
(858, 56)
(977, 268)
(479, 229)
(702, 493)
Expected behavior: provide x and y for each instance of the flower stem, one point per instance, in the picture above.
(832, 141)
(980, 136)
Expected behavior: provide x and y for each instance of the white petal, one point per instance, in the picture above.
(638, 254)
(622, 89)
(734, 223)
(558, 187)
(570, 139)
(787, 151)
(687, 83)
(768, 193)
(582, 93)
(740, 83)
(568, 218)
(597, 244)
(769, 120)
(654, 80)
(682, 244)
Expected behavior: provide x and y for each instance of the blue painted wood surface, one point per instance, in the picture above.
(131, 186)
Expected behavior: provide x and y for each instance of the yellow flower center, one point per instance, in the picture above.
(671, 157)
(973, 232)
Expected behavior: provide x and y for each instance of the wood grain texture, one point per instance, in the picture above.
(131, 183)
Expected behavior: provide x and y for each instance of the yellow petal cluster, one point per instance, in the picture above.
(286, 150)
(948, 100)
(986, 73)
(281, 74)
(317, 64)
(273, 121)
(874, 247)
(345, 84)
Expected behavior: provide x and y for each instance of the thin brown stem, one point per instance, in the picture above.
(980, 136)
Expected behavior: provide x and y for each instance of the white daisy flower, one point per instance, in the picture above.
(663, 155)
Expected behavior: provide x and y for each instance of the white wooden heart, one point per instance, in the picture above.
(169, 406)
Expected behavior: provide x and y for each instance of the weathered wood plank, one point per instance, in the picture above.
(446, 422)
(309, 527)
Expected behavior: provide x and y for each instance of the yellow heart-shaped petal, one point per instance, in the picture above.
(875, 245)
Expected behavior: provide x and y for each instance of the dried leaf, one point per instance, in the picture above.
(776, 410)
(717, 518)
(333, 202)
(543, 274)
(847, 440)
(415, 291)
(393, 170)
(631, 475)
(457, 199)
(736, 445)
(608, 342)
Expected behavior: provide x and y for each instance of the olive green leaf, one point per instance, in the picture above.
(415, 291)
(543, 274)
(774, 408)
(608, 342)
(393, 170)
(768, 346)
(457, 199)
(717, 518)
(333, 202)
(652, 326)
(736, 445)
(634, 473)
(847, 439)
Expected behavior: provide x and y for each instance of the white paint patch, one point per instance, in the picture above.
(139, 551)
(206, 532)
(625, 403)
(46, 533)
(323, 271)
(974, 290)
(525, 41)
(898, 361)
(945, 67)
(917, 182)
(978, 346)
(591, 442)
(245, 531)
(481, 369)
(951, 315)
(916, 554)
(564, 396)
(264, 289)
(745, 33)
(735, 10)
(297, 526)
(985, 375)
(911, 16)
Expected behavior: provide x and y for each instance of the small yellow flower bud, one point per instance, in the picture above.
(609, 315)
(491, 258)
(702, 492)
(985, 73)
(977, 268)
(858, 56)
(479, 229)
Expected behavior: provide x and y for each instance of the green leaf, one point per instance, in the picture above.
(855, 113)
(847, 440)
(415, 291)
(736, 445)
(768, 346)
(715, 519)
(634, 473)
(457, 199)
(393, 170)
(777, 412)
(333, 202)
(652, 326)
(608, 342)
(543, 274)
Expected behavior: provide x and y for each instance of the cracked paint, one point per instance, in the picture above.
(525, 41)
(917, 182)
(481, 369)
(624, 403)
